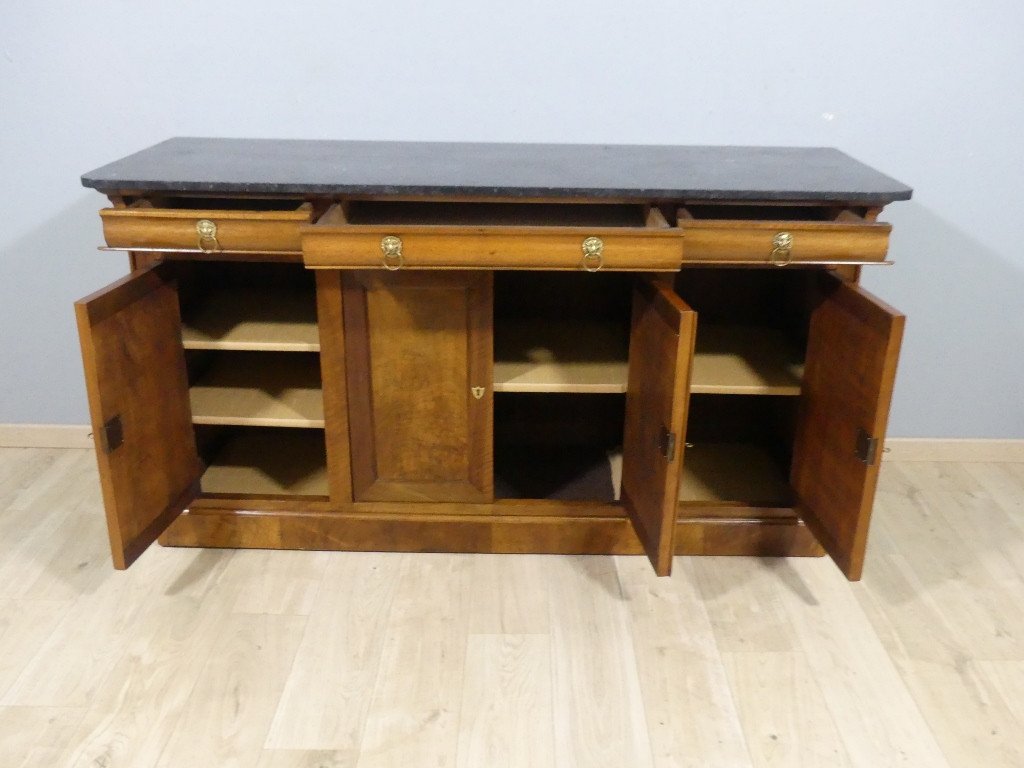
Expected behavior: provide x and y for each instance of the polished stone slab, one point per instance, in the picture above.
(316, 167)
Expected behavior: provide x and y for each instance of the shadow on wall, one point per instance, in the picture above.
(43, 273)
(963, 351)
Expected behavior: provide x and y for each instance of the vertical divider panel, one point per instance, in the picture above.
(330, 322)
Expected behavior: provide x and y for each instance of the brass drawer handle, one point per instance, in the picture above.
(782, 249)
(392, 248)
(593, 254)
(206, 231)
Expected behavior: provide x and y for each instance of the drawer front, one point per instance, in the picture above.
(209, 231)
(504, 248)
(846, 239)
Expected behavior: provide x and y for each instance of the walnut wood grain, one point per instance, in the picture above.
(335, 243)
(660, 352)
(418, 343)
(135, 373)
(416, 531)
(847, 237)
(330, 323)
(852, 351)
(146, 226)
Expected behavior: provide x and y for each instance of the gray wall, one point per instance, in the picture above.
(927, 91)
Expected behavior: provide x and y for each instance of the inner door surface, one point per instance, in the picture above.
(852, 349)
(660, 355)
(130, 333)
(420, 373)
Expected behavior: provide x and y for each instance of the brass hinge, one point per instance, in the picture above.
(112, 435)
(667, 444)
(866, 448)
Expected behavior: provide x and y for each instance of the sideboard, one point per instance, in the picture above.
(508, 348)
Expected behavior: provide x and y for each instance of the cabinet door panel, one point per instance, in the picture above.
(660, 353)
(419, 344)
(130, 333)
(852, 349)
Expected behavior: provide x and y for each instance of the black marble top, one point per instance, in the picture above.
(305, 167)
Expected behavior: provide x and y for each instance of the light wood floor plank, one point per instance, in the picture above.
(24, 627)
(33, 736)
(150, 684)
(414, 712)
(1007, 677)
(510, 594)
(690, 712)
(362, 660)
(853, 669)
(506, 719)
(303, 758)
(228, 713)
(783, 712)
(269, 583)
(599, 712)
(961, 592)
(35, 521)
(743, 604)
(327, 694)
(971, 721)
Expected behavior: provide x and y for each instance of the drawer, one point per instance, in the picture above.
(203, 225)
(780, 235)
(560, 236)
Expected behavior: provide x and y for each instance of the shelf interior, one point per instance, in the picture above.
(267, 462)
(556, 446)
(745, 360)
(548, 356)
(243, 318)
(257, 389)
(737, 472)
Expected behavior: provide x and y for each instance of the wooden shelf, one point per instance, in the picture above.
(269, 463)
(264, 321)
(539, 356)
(259, 390)
(745, 360)
(738, 472)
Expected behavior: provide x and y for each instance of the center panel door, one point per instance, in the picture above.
(660, 354)
(420, 373)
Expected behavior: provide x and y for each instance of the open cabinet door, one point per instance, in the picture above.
(657, 395)
(852, 349)
(135, 376)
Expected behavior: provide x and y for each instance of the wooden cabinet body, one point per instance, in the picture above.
(490, 373)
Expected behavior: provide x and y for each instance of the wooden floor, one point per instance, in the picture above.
(212, 658)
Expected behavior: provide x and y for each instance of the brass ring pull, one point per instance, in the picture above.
(782, 249)
(392, 248)
(593, 254)
(206, 231)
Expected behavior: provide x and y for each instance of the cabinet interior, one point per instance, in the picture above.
(561, 347)
(424, 213)
(745, 382)
(213, 203)
(738, 450)
(749, 212)
(561, 344)
(255, 461)
(251, 340)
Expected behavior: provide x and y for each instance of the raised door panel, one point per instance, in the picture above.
(419, 371)
(852, 349)
(660, 355)
(149, 468)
